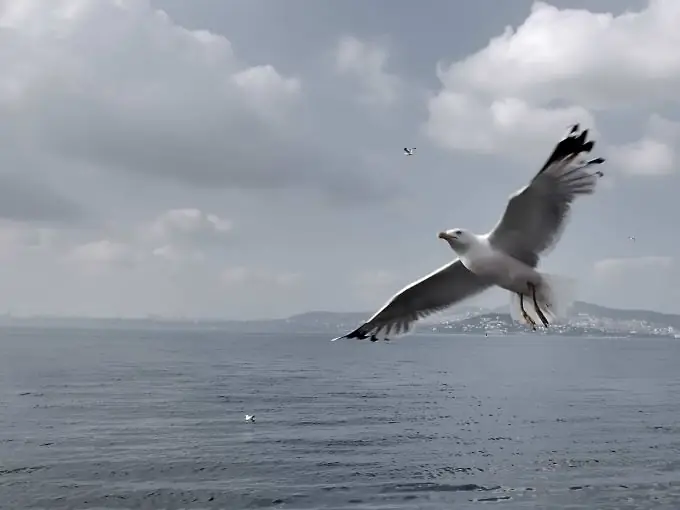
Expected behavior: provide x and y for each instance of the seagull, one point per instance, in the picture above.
(507, 256)
(632, 238)
(250, 418)
(409, 152)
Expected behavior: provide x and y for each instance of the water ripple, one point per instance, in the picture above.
(155, 420)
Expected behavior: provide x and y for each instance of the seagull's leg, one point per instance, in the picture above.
(538, 308)
(526, 316)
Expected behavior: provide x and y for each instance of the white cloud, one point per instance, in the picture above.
(646, 157)
(366, 62)
(18, 239)
(646, 282)
(460, 121)
(181, 235)
(561, 66)
(119, 86)
(178, 236)
(189, 224)
(103, 255)
(653, 154)
(267, 91)
(622, 268)
(597, 60)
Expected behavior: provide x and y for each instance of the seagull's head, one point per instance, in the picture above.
(459, 239)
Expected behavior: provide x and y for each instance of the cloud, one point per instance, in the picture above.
(366, 62)
(598, 60)
(103, 255)
(653, 154)
(23, 198)
(17, 239)
(646, 282)
(511, 126)
(621, 268)
(121, 87)
(183, 235)
(177, 236)
(189, 225)
(560, 66)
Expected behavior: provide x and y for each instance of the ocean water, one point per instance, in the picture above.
(155, 419)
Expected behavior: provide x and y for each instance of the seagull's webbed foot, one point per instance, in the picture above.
(526, 316)
(538, 308)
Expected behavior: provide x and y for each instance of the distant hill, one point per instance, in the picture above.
(584, 319)
(615, 314)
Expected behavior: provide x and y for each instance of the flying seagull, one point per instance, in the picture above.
(631, 238)
(250, 418)
(409, 152)
(506, 256)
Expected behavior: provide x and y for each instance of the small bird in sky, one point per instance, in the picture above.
(409, 152)
(632, 238)
(250, 418)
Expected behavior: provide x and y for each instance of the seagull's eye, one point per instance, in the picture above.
(457, 232)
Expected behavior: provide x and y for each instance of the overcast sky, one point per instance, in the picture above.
(243, 158)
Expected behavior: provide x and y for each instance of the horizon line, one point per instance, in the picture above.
(182, 318)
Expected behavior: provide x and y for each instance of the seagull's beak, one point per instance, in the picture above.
(444, 235)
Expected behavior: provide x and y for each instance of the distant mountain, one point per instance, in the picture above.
(584, 319)
(581, 308)
(623, 314)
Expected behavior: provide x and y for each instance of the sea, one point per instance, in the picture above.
(154, 419)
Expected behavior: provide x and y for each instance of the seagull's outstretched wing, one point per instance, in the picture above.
(444, 287)
(535, 216)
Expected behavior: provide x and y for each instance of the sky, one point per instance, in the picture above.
(243, 158)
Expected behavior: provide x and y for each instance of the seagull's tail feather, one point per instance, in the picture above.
(516, 309)
(555, 295)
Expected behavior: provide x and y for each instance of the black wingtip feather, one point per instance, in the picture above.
(361, 333)
(356, 334)
(572, 144)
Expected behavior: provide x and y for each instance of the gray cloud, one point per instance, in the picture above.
(23, 198)
(128, 90)
(114, 116)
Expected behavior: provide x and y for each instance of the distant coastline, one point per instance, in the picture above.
(585, 319)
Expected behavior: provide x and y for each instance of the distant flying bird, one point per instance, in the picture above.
(632, 238)
(250, 418)
(409, 152)
(505, 257)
